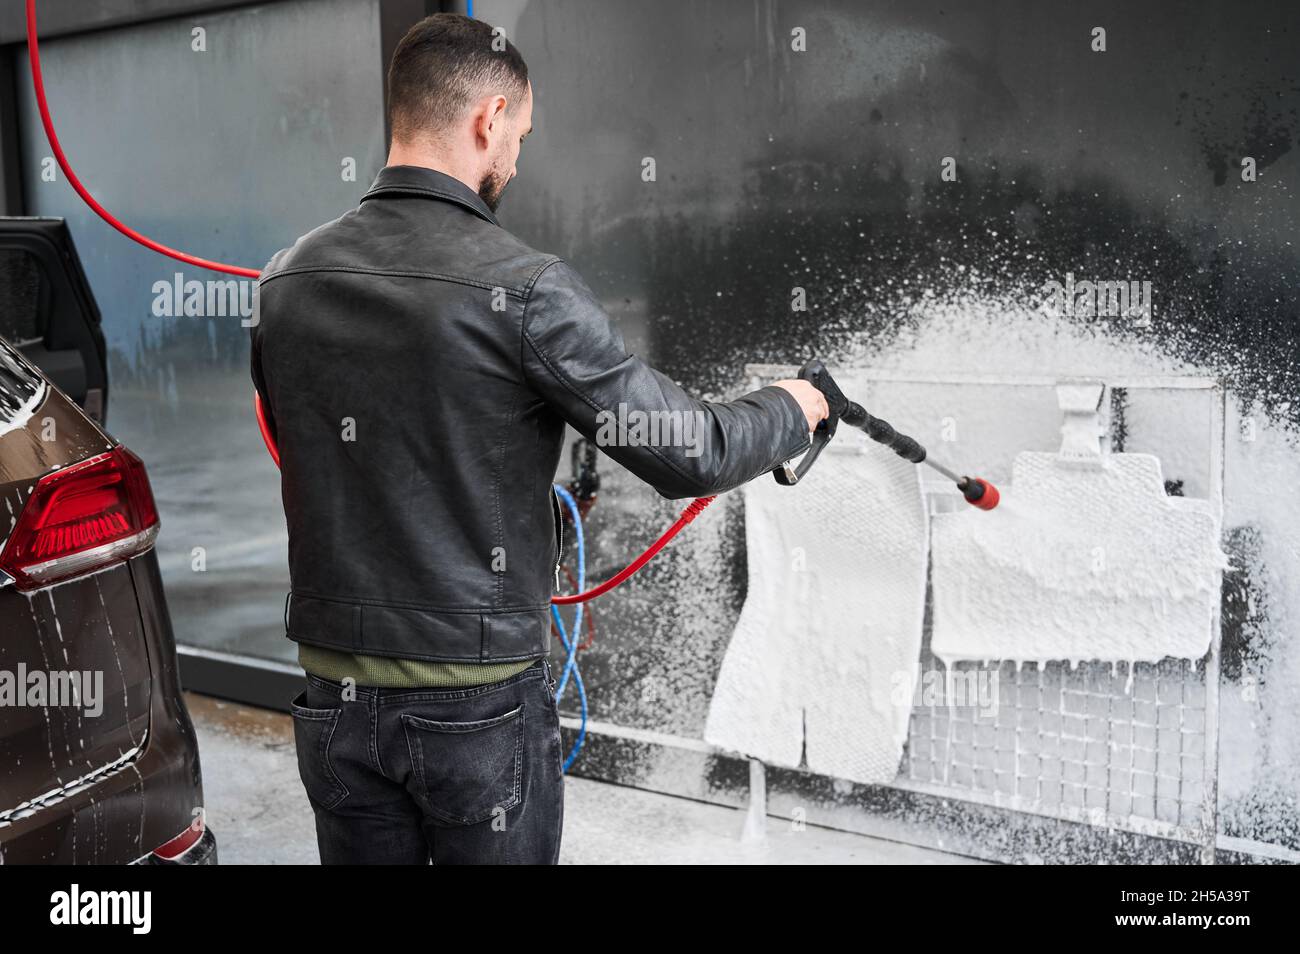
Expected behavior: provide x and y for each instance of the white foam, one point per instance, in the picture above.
(1084, 559)
(831, 626)
(20, 414)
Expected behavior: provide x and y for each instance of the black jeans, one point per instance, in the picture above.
(459, 776)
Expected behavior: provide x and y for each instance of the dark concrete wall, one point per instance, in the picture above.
(821, 169)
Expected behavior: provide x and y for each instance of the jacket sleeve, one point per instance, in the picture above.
(575, 360)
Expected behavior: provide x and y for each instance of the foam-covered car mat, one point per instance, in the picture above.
(1083, 560)
(828, 642)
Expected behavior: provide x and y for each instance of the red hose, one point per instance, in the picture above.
(38, 85)
(588, 617)
(693, 510)
(265, 428)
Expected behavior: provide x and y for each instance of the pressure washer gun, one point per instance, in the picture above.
(977, 491)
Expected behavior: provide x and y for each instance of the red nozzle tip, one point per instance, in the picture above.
(988, 497)
(979, 492)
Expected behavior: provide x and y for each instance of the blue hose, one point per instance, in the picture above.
(571, 645)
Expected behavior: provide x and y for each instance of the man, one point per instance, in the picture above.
(418, 365)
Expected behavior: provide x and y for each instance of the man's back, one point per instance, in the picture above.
(419, 364)
(374, 329)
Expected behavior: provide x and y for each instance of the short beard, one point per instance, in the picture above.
(491, 188)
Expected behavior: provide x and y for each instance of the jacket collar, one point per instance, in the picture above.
(418, 180)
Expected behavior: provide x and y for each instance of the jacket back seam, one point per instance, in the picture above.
(500, 480)
(520, 293)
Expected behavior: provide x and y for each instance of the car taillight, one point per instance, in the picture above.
(174, 849)
(80, 519)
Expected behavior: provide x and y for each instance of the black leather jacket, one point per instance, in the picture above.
(418, 364)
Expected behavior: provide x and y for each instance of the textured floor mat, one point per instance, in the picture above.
(829, 639)
(1084, 559)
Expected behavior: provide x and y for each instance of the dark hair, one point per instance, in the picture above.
(443, 64)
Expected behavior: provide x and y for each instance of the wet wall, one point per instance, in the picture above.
(822, 170)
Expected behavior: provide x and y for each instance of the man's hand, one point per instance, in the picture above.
(812, 401)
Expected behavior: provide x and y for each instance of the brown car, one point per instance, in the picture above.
(98, 759)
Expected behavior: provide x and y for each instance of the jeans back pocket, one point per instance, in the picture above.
(467, 771)
(313, 730)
